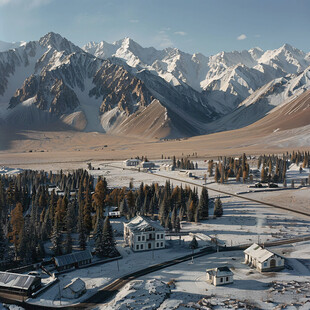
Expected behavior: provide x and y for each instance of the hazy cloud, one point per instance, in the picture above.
(242, 37)
(28, 3)
(134, 21)
(181, 33)
(163, 40)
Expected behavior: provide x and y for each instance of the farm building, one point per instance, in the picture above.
(167, 167)
(112, 212)
(73, 260)
(220, 276)
(263, 259)
(142, 234)
(147, 164)
(19, 283)
(74, 289)
(132, 162)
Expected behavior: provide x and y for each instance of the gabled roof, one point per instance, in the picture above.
(15, 280)
(140, 223)
(220, 271)
(257, 252)
(76, 285)
(72, 258)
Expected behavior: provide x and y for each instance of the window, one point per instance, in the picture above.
(162, 236)
(141, 246)
(142, 238)
(226, 279)
(139, 238)
(157, 236)
(161, 244)
(157, 244)
(137, 247)
(221, 279)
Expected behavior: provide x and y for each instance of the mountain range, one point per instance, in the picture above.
(125, 89)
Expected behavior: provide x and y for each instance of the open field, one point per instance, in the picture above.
(77, 147)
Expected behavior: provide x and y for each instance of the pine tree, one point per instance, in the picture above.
(56, 238)
(98, 235)
(204, 204)
(4, 247)
(193, 244)
(108, 241)
(131, 203)
(218, 208)
(82, 238)
(17, 223)
(68, 243)
(99, 197)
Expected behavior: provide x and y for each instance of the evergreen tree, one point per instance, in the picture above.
(193, 244)
(82, 238)
(68, 243)
(4, 247)
(56, 239)
(218, 208)
(204, 204)
(98, 237)
(108, 241)
(177, 225)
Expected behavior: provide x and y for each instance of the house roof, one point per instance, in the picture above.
(72, 258)
(76, 285)
(220, 271)
(15, 280)
(140, 223)
(257, 252)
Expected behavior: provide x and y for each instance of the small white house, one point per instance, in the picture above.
(220, 276)
(132, 162)
(74, 289)
(142, 234)
(263, 259)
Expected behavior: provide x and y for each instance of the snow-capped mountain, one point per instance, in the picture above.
(265, 100)
(123, 88)
(54, 80)
(227, 78)
(5, 46)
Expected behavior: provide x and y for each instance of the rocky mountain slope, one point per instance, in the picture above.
(226, 79)
(123, 88)
(53, 80)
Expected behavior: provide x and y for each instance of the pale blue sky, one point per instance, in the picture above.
(206, 26)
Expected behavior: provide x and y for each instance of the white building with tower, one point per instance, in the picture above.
(142, 234)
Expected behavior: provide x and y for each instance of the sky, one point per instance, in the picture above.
(205, 26)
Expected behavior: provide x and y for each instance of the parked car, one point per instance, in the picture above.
(258, 185)
(272, 185)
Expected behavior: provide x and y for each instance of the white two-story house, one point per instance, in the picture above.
(143, 234)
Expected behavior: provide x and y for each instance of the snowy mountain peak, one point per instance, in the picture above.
(56, 41)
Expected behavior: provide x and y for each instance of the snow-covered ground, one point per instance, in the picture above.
(242, 222)
(10, 307)
(10, 171)
(263, 291)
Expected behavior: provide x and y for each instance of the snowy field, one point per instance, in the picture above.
(287, 289)
(242, 222)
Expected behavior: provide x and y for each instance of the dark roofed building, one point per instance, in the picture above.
(73, 260)
(220, 275)
(19, 283)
